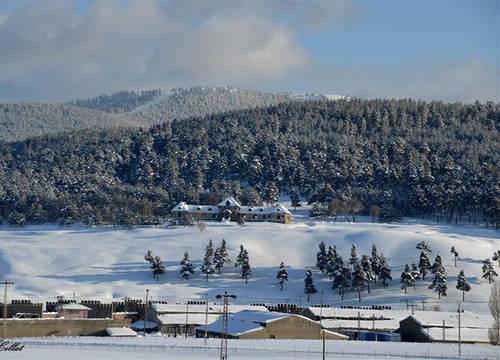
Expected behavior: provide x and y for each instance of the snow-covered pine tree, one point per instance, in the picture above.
(367, 268)
(309, 285)
(385, 270)
(455, 254)
(271, 193)
(240, 257)
(149, 257)
(157, 268)
(331, 260)
(295, 199)
(438, 264)
(424, 247)
(218, 260)
(375, 262)
(282, 275)
(439, 277)
(342, 277)
(223, 251)
(407, 279)
(496, 257)
(246, 270)
(463, 284)
(358, 279)
(415, 273)
(489, 272)
(208, 267)
(187, 267)
(354, 256)
(321, 257)
(424, 264)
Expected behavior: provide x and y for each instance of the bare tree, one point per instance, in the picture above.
(494, 305)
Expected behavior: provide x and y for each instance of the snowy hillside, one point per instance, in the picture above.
(104, 263)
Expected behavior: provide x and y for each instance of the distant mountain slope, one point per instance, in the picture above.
(20, 121)
(126, 109)
(119, 102)
(199, 101)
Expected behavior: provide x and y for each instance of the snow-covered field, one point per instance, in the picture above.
(169, 348)
(104, 263)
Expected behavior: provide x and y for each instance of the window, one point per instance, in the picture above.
(214, 216)
(255, 216)
(278, 217)
(179, 215)
(228, 203)
(272, 337)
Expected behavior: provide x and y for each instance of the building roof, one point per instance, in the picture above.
(389, 319)
(275, 209)
(139, 325)
(73, 306)
(192, 319)
(245, 321)
(200, 308)
(120, 332)
(183, 207)
(229, 201)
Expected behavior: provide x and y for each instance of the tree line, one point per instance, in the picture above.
(384, 158)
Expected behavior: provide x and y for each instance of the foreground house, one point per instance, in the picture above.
(179, 319)
(230, 210)
(251, 324)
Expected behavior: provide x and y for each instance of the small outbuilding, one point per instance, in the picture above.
(73, 311)
(250, 324)
(120, 332)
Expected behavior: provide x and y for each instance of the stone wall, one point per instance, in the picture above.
(14, 328)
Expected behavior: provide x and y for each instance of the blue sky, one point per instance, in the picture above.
(441, 49)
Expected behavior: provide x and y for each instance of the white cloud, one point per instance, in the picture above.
(54, 52)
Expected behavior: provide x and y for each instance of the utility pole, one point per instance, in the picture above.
(187, 319)
(223, 345)
(6, 284)
(324, 347)
(459, 331)
(206, 319)
(321, 310)
(145, 310)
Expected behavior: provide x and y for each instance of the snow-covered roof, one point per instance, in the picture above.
(275, 209)
(183, 207)
(380, 325)
(229, 201)
(73, 306)
(120, 331)
(389, 318)
(200, 308)
(192, 319)
(244, 322)
(451, 334)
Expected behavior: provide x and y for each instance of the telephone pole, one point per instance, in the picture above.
(459, 310)
(6, 284)
(206, 319)
(145, 310)
(225, 320)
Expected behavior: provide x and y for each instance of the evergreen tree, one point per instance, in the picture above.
(246, 270)
(342, 277)
(385, 271)
(271, 193)
(455, 254)
(295, 199)
(358, 279)
(407, 279)
(157, 268)
(496, 257)
(282, 275)
(489, 272)
(208, 266)
(218, 261)
(415, 273)
(367, 268)
(241, 256)
(309, 285)
(187, 267)
(424, 247)
(462, 284)
(424, 264)
(375, 262)
(149, 257)
(331, 260)
(321, 257)
(354, 256)
(439, 277)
